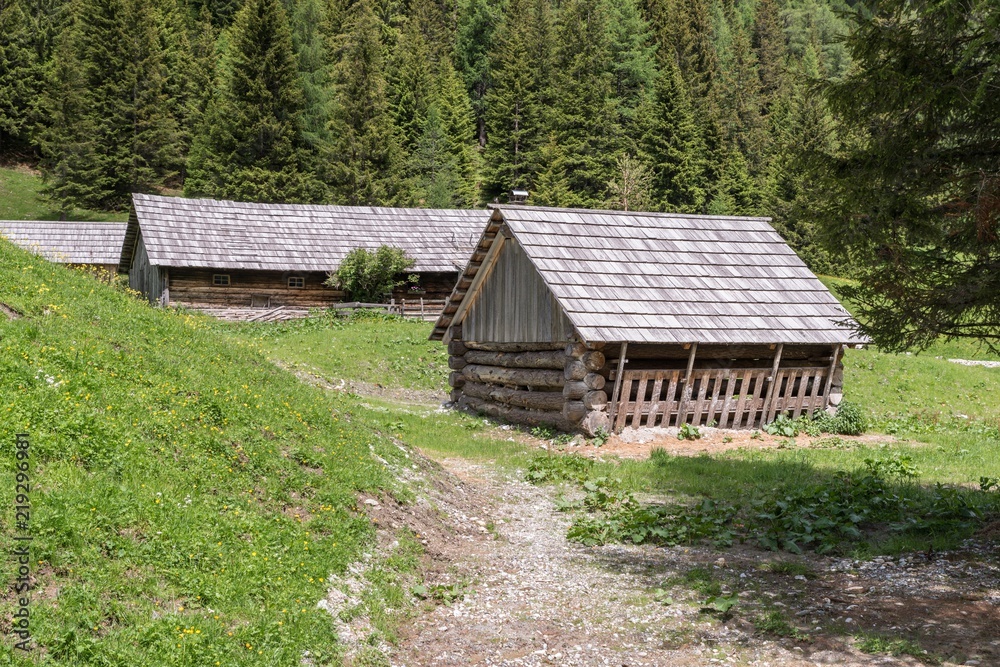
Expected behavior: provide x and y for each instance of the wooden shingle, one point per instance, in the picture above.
(92, 243)
(666, 278)
(206, 233)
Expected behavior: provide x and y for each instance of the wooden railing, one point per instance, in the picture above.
(730, 397)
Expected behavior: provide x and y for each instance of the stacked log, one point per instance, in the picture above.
(531, 383)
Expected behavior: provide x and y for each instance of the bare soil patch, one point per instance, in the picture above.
(638, 444)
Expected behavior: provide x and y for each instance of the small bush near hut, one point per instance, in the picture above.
(369, 277)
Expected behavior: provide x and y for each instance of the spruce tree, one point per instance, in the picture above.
(132, 141)
(477, 24)
(250, 146)
(769, 44)
(741, 104)
(434, 180)
(308, 36)
(459, 125)
(583, 110)
(412, 85)
(671, 145)
(67, 142)
(366, 161)
(516, 119)
(20, 75)
(551, 187)
(633, 62)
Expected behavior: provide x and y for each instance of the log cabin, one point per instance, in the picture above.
(605, 320)
(95, 246)
(208, 254)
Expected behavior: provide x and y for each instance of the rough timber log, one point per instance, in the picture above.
(574, 411)
(575, 350)
(528, 377)
(575, 370)
(595, 400)
(456, 380)
(550, 359)
(536, 400)
(457, 363)
(593, 361)
(577, 388)
(512, 347)
(457, 348)
(519, 415)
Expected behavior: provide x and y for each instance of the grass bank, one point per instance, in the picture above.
(189, 499)
(20, 199)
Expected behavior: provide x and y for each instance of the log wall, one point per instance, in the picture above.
(531, 383)
(269, 289)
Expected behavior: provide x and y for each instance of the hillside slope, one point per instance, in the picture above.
(189, 499)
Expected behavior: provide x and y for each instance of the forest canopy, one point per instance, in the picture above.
(680, 105)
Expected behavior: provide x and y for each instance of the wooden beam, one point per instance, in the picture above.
(477, 283)
(837, 349)
(618, 382)
(765, 413)
(686, 390)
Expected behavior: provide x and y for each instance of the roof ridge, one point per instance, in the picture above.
(644, 214)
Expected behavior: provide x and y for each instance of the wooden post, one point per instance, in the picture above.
(766, 412)
(686, 391)
(618, 382)
(422, 308)
(829, 376)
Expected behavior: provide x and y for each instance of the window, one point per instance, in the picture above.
(220, 279)
(296, 281)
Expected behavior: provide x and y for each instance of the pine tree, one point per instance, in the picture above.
(366, 160)
(633, 62)
(583, 111)
(250, 146)
(201, 77)
(179, 84)
(672, 146)
(477, 24)
(132, 140)
(515, 106)
(20, 75)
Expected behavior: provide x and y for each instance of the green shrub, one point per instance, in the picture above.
(369, 277)
(850, 420)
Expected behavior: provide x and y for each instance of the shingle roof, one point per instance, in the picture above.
(665, 278)
(68, 242)
(294, 237)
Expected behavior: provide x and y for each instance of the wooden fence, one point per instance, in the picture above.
(730, 397)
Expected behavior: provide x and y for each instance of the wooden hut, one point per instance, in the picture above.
(600, 319)
(91, 245)
(209, 254)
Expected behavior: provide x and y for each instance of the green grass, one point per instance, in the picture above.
(943, 446)
(368, 346)
(20, 200)
(189, 499)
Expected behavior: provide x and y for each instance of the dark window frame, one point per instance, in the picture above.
(221, 280)
(299, 279)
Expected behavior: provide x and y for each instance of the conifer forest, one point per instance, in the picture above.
(710, 106)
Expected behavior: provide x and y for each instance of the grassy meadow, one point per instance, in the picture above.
(20, 200)
(189, 498)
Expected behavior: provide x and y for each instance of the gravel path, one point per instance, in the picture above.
(537, 599)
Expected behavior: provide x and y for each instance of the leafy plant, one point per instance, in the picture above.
(721, 604)
(557, 468)
(369, 277)
(601, 436)
(783, 426)
(688, 432)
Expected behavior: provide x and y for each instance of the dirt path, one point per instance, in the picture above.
(533, 598)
